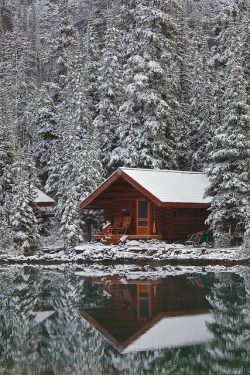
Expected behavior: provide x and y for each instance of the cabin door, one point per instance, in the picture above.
(142, 216)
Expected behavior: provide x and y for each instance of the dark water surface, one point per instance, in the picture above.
(68, 322)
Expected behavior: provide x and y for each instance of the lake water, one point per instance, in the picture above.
(139, 321)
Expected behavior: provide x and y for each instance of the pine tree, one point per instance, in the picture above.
(70, 223)
(246, 45)
(182, 130)
(202, 100)
(64, 52)
(47, 18)
(110, 87)
(7, 157)
(25, 75)
(145, 137)
(18, 299)
(92, 63)
(246, 239)
(54, 168)
(229, 150)
(82, 146)
(229, 351)
(23, 221)
(44, 130)
(7, 145)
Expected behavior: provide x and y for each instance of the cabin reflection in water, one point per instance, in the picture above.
(145, 314)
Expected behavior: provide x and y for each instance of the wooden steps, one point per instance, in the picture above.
(114, 239)
(130, 237)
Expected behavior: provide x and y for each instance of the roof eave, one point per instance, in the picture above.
(185, 205)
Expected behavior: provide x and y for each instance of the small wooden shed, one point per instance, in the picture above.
(162, 204)
(43, 204)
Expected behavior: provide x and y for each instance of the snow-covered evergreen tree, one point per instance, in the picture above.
(110, 87)
(92, 62)
(44, 130)
(7, 157)
(85, 170)
(246, 238)
(54, 168)
(229, 351)
(19, 339)
(64, 49)
(182, 130)
(70, 223)
(145, 137)
(7, 145)
(246, 45)
(201, 102)
(23, 221)
(25, 75)
(229, 155)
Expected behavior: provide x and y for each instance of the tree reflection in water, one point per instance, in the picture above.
(60, 323)
(229, 353)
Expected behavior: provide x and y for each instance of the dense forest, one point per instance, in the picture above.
(90, 85)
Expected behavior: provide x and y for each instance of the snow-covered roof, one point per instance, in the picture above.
(40, 316)
(162, 186)
(171, 186)
(42, 197)
(174, 331)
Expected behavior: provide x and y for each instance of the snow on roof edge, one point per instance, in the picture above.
(42, 197)
(158, 170)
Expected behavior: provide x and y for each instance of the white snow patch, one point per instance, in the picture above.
(133, 243)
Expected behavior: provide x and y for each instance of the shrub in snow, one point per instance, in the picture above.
(222, 239)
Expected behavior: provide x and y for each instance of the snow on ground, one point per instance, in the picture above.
(132, 250)
(129, 271)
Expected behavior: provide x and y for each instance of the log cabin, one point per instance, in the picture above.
(162, 204)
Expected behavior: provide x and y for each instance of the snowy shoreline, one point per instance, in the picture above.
(133, 252)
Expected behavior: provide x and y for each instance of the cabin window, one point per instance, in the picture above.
(191, 213)
(203, 213)
(182, 213)
(125, 210)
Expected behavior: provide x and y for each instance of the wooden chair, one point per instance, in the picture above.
(196, 239)
(126, 220)
(117, 222)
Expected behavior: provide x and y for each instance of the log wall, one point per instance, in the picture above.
(172, 228)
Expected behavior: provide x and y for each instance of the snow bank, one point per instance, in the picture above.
(132, 250)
